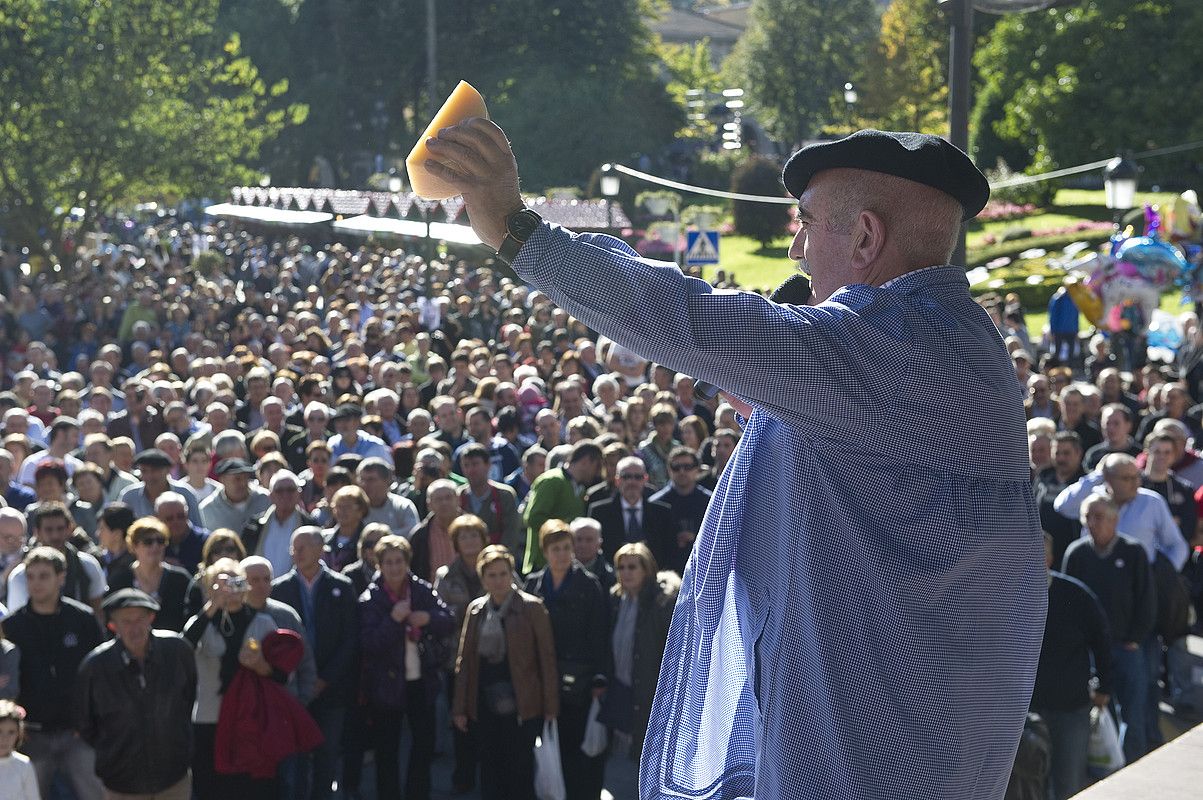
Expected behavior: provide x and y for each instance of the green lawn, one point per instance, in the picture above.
(766, 267)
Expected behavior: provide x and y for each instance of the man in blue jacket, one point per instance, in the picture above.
(871, 558)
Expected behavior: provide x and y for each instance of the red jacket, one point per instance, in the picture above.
(260, 723)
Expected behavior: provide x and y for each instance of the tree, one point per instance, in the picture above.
(1070, 85)
(764, 222)
(106, 100)
(689, 66)
(574, 84)
(906, 83)
(794, 59)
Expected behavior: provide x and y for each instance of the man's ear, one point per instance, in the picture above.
(111, 627)
(868, 239)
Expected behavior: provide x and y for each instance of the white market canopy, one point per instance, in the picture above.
(268, 214)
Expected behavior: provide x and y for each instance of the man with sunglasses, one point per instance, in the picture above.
(688, 502)
(632, 516)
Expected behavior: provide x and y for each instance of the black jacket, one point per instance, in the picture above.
(138, 721)
(1075, 630)
(336, 619)
(659, 533)
(652, 620)
(1123, 582)
(52, 647)
(254, 529)
(580, 625)
(173, 596)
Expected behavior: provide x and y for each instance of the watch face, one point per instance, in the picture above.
(522, 224)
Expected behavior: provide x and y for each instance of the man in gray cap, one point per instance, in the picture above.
(865, 487)
(154, 466)
(134, 703)
(238, 502)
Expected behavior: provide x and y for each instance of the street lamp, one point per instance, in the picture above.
(850, 98)
(660, 205)
(1119, 180)
(609, 189)
(394, 181)
(265, 180)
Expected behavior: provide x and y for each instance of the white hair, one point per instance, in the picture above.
(257, 561)
(441, 483)
(229, 444)
(284, 475)
(8, 512)
(168, 498)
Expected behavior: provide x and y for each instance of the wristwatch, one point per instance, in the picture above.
(518, 228)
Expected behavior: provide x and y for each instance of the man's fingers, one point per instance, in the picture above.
(440, 170)
(490, 130)
(482, 136)
(460, 156)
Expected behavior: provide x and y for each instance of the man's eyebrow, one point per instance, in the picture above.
(803, 213)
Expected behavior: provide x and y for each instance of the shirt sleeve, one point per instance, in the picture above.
(1168, 534)
(831, 363)
(18, 595)
(92, 568)
(1069, 502)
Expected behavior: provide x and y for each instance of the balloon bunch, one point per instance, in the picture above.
(1121, 290)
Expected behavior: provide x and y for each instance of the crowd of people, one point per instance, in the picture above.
(370, 491)
(373, 491)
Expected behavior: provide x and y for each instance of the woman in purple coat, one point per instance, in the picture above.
(401, 620)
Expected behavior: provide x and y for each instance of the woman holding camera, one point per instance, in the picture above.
(506, 684)
(226, 635)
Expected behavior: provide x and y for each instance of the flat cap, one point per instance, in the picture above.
(918, 157)
(129, 598)
(233, 466)
(347, 411)
(152, 457)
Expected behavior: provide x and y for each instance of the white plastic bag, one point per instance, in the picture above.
(594, 743)
(1103, 752)
(549, 774)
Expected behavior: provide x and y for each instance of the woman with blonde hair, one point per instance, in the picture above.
(147, 539)
(506, 681)
(641, 610)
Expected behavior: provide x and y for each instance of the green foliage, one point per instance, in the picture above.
(1064, 86)
(1039, 194)
(764, 222)
(794, 59)
(906, 83)
(106, 100)
(714, 168)
(688, 66)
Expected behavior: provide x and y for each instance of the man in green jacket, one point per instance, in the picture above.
(559, 494)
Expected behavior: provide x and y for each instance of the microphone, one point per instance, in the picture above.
(795, 291)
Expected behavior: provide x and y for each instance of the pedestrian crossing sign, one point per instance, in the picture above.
(701, 247)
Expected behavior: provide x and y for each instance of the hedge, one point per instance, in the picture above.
(979, 257)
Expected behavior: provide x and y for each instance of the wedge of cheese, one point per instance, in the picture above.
(464, 102)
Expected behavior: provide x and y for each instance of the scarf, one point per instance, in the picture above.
(492, 630)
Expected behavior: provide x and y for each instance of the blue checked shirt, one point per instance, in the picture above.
(863, 611)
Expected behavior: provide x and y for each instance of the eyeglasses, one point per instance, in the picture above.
(638, 476)
(683, 467)
(153, 541)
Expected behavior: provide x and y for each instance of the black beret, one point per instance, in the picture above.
(129, 598)
(233, 466)
(918, 157)
(152, 457)
(347, 411)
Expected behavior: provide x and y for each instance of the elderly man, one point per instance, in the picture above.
(186, 541)
(774, 667)
(375, 476)
(559, 493)
(1143, 514)
(630, 516)
(326, 603)
(587, 548)
(98, 450)
(154, 465)
(1109, 563)
(270, 534)
(238, 502)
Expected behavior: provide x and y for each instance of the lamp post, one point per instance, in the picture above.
(662, 205)
(394, 181)
(610, 185)
(850, 98)
(265, 180)
(1119, 181)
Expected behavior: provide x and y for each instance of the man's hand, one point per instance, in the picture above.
(460, 721)
(475, 157)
